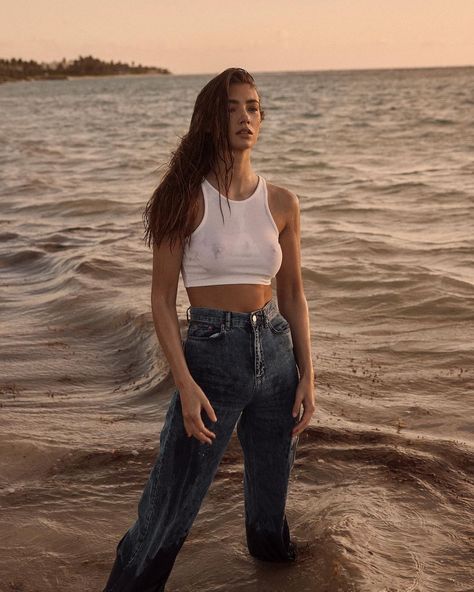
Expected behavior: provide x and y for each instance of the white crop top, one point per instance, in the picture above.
(244, 249)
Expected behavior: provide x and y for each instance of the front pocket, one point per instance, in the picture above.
(204, 330)
(278, 324)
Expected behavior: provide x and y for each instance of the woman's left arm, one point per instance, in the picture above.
(293, 306)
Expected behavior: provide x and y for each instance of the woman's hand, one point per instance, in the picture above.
(193, 400)
(304, 396)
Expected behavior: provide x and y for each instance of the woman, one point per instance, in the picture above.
(245, 362)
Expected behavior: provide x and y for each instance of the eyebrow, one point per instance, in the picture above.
(247, 101)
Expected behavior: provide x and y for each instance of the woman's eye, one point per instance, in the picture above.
(251, 109)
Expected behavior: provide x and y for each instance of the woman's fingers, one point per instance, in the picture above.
(209, 410)
(297, 405)
(194, 426)
(304, 421)
(199, 430)
(199, 424)
(300, 426)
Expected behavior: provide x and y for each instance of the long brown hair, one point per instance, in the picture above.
(171, 209)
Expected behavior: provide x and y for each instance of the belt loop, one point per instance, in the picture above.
(187, 314)
(266, 313)
(228, 316)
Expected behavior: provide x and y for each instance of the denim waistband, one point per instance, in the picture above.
(233, 318)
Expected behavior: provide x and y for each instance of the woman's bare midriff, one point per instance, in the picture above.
(235, 297)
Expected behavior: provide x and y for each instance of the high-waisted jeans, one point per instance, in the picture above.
(245, 364)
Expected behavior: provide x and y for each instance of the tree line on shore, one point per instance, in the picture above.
(18, 69)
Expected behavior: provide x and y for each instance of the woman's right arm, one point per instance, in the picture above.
(165, 278)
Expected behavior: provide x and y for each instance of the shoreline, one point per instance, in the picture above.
(124, 75)
(86, 76)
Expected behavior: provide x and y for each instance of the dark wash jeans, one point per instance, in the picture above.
(244, 363)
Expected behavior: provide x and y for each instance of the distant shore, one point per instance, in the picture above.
(13, 70)
(124, 75)
(86, 76)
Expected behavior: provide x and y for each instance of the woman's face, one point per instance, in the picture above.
(244, 113)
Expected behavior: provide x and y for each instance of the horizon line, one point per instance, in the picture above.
(365, 69)
(254, 71)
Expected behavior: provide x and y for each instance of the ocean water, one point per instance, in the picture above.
(381, 495)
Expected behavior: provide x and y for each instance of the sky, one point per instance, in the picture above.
(207, 36)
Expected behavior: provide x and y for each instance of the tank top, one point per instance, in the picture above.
(236, 246)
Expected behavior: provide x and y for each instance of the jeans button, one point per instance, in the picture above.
(254, 317)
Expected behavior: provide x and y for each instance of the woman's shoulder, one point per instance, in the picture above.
(283, 204)
(282, 198)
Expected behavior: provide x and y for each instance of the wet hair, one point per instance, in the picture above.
(171, 209)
